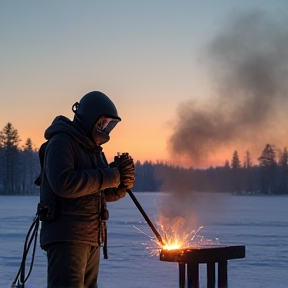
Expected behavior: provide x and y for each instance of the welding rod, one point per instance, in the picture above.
(156, 233)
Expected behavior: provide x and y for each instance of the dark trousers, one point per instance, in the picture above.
(72, 265)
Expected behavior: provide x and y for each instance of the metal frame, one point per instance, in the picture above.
(189, 259)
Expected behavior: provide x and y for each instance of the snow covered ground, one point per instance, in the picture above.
(259, 223)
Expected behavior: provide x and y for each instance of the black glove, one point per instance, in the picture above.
(126, 168)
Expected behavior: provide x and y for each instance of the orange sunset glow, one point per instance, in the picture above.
(185, 97)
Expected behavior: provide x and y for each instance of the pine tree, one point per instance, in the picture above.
(283, 163)
(9, 142)
(235, 172)
(2, 166)
(235, 163)
(268, 166)
(247, 160)
(29, 165)
(268, 157)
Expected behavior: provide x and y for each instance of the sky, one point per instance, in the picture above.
(193, 81)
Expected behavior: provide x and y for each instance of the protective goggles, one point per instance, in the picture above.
(106, 124)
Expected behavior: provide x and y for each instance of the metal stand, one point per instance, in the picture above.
(193, 275)
(189, 260)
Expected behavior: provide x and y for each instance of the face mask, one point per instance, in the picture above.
(102, 128)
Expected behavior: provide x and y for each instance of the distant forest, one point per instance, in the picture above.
(19, 166)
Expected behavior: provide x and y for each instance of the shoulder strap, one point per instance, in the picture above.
(41, 155)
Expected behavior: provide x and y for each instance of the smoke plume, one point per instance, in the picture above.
(248, 64)
(248, 67)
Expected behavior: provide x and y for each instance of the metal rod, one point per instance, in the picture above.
(147, 219)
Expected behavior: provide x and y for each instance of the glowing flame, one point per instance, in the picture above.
(174, 236)
(171, 246)
(178, 239)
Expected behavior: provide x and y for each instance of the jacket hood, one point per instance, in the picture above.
(62, 124)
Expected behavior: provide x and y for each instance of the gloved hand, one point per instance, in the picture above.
(126, 168)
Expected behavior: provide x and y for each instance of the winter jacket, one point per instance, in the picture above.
(76, 181)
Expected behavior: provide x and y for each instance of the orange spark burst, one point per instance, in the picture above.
(177, 238)
(174, 235)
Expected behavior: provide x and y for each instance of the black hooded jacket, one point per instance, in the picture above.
(75, 183)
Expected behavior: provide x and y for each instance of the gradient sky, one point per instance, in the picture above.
(147, 56)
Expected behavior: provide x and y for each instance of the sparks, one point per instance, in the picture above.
(177, 239)
(173, 235)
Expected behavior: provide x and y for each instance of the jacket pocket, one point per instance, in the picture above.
(84, 206)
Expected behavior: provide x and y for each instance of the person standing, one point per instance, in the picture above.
(75, 183)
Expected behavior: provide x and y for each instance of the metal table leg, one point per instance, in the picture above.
(192, 275)
(222, 274)
(211, 275)
(181, 275)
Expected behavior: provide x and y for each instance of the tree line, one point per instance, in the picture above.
(19, 167)
(269, 177)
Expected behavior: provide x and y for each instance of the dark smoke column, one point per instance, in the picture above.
(248, 64)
